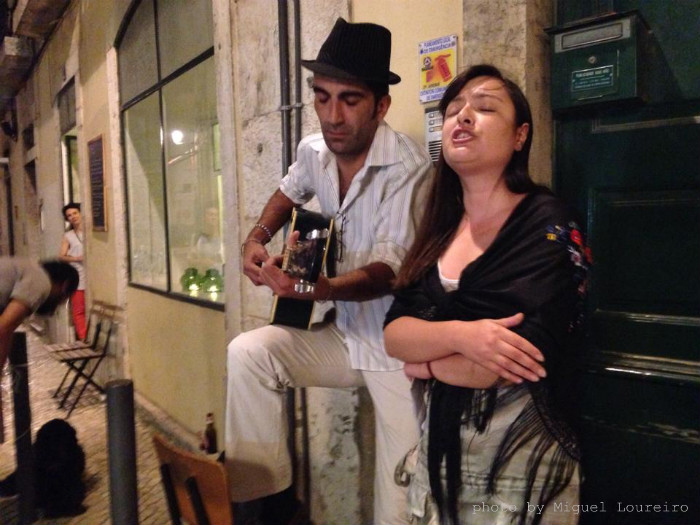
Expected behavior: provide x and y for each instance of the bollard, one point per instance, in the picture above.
(121, 437)
(23, 428)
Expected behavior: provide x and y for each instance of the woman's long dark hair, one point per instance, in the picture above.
(445, 205)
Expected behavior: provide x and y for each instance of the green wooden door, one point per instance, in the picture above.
(634, 173)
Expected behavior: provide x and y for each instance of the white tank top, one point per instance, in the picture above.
(75, 249)
(448, 284)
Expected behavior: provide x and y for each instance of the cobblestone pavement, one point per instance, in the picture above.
(90, 422)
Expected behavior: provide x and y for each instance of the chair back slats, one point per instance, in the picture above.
(206, 501)
(93, 323)
(170, 495)
(84, 361)
(196, 500)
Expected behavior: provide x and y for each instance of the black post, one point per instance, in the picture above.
(285, 108)
(23, 428)
(121, 437)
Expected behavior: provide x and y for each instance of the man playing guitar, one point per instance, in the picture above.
(369, 179)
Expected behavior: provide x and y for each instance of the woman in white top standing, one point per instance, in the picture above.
(72, 252)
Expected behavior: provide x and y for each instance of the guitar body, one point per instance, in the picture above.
(296, 312)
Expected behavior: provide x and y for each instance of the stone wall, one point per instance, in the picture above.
(510, 34)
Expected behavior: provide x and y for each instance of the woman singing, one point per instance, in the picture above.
(487, 299)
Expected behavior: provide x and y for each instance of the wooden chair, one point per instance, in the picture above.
(196, 487)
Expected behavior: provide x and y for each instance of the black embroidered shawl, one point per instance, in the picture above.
(536, 265)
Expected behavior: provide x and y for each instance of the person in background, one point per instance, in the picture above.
(72, 252)
(369, 178)
(488, 298)
(207, 245)
(27, 287)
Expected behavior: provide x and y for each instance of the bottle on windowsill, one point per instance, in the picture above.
(208, 443)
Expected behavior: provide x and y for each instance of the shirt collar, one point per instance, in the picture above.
(382, 152)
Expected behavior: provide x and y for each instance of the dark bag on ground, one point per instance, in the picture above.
(59, 463)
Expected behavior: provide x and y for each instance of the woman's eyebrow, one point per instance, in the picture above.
(458, 99)
(487, 94)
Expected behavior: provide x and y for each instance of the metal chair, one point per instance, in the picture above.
(93, 325)
(77, 360)
(196, 487)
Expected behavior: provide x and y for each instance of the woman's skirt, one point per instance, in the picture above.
(477, 506)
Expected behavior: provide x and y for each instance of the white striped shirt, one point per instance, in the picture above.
(375, 223)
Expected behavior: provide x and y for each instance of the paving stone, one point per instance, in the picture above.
(90, 421)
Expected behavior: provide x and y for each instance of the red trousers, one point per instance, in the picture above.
(77, 302)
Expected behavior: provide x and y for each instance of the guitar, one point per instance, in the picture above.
(298, 313)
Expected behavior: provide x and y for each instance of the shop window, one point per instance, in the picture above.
(144, 168)
(173, 174)
(193, 178)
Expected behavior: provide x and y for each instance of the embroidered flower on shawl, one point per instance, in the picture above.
(581, 257)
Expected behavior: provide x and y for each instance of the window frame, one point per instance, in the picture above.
(157, 89)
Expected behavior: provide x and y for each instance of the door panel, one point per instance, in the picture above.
(634, 173)
(642, 452)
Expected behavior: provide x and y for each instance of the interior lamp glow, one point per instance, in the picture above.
(177, 136)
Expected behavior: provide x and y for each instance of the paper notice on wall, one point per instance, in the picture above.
(438, 65)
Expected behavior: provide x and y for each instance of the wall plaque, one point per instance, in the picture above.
(97, 184)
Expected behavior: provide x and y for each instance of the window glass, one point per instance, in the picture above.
(71, 178)
(144, 171)
(66, 107)
(193, 182)
(171, 148)
(184, 32)
(138, 69)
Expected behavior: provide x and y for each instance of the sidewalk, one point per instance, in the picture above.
(90, 422)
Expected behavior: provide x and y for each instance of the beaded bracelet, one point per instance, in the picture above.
(265, 229)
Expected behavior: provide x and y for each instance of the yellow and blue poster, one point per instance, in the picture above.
(438, 63)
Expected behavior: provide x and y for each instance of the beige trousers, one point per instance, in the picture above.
(261, 364)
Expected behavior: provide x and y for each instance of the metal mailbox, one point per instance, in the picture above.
(598, 61)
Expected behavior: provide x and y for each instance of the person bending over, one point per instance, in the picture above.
(27, 287)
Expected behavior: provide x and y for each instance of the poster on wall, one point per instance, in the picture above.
(438, 65)
(97, 184)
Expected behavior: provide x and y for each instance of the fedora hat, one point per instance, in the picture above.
(355, 52)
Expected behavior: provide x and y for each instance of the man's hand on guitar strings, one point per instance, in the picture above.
(281, 284)
(254, 255)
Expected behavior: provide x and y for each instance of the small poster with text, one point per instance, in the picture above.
(438, 64)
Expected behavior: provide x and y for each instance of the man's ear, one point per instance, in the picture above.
(383, 106)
